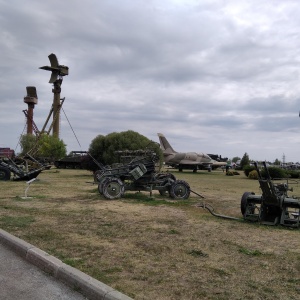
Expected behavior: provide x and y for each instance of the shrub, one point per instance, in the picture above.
(232, 173)
(247, 169)
(253, 175)
(293, 174)
(275, 173)
(229, 173)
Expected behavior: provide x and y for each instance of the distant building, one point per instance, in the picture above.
(7, 152)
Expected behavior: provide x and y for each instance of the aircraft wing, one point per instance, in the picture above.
(53, 60)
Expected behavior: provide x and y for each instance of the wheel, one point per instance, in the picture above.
(4, 174)
(97, 176)
(172, 176)
(180, 189)
(101, 183)
(244, 203)
(113, 189)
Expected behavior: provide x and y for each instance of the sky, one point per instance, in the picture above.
(214, 76)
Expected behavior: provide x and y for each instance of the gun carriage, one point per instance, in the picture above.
(274, 206)
(21, 168)
(137, 172)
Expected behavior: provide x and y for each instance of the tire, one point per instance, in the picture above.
(180, 189)
(113, 189)
(172, 176)
(4, 174)
(101, 184)
(244, 202)
(98, 175)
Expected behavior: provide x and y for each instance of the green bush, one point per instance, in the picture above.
(247, 169)
(293, 174)
(275, 173)
(232, 173)
(253, 175)
(229, 173)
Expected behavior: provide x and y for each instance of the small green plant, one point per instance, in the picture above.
(253, 175)
(250, 252)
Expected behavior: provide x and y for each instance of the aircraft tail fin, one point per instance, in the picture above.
(164, 144)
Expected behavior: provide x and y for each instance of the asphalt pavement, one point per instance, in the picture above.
(19, 279)
(28, 273)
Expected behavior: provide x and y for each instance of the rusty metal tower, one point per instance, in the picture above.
(57, 73)
(31, 99)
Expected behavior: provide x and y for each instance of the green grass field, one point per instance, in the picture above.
(157, 248)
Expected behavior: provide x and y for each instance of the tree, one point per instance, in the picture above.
(27, 142)
(277, 162)
(245, 161)
(235, 159)
(52, 147)
(103, 148)
(47, 146)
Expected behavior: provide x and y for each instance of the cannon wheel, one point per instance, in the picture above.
(244, 202)
(4, 174)
(163, 175)
(97, 176)
(101, 184)
(180, 189)
(113, 189)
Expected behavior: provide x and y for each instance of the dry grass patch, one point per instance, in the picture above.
(157, 248)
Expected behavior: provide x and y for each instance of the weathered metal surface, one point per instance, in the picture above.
(274, 206)
(72, 161)
(138, 174)
(20, 168)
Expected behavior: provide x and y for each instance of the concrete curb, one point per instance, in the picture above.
(88, 286)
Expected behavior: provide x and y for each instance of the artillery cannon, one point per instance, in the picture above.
(137, 172)
(20, 168)
(274, 206)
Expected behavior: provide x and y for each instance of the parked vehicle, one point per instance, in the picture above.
(73, 161)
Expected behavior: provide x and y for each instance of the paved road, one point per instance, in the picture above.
(20, 279)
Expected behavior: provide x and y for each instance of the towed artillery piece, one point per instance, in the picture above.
(138, 172)
(274, 206)
(21, 168)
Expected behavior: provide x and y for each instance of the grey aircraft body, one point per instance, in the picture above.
(186, 160)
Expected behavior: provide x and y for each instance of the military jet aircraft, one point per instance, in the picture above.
(186, 160)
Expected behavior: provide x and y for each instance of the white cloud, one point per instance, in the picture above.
(213, 76)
